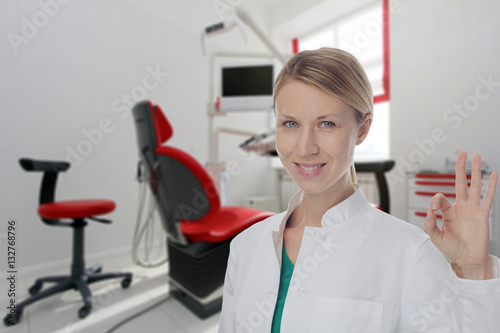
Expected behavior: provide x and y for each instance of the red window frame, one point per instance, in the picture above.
(386, 50)
(385, 96)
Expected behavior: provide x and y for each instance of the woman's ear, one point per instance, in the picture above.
(364, 128)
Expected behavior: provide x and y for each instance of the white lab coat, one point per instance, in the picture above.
(362, 271)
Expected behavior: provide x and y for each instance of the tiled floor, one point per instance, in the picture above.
(112, 305)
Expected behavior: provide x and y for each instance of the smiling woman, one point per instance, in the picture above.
(334, 263)
(337, 74)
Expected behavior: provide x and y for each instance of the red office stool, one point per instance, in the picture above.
(74, 214)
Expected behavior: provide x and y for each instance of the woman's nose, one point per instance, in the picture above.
(307, 144)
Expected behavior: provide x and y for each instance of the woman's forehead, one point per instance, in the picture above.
(299, 97)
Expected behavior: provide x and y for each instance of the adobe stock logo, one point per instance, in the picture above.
(31, 27)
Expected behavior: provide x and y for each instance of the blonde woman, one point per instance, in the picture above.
(332, 262)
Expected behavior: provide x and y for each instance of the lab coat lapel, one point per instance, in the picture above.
(278, 229)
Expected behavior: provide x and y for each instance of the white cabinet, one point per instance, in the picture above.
(421, 189)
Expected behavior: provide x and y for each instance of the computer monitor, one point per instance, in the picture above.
(246, 86)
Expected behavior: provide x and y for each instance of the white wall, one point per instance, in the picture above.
(441, 53)
(71, 70)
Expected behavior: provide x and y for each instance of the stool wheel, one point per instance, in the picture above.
(84, 311)
(12, 318)
(126, 283)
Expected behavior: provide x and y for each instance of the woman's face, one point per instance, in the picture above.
(315, 137)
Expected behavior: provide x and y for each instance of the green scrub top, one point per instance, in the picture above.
(285, 277)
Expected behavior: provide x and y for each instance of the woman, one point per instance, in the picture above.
(333, 263)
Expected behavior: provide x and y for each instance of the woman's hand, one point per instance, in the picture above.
(464, 238)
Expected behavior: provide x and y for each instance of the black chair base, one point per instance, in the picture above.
(197, 273)
(198, 267)
(64, 283)
(202, 308)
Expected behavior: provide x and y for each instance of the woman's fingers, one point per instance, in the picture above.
(490, 191)
(475, 186)
(439, 202)
(430, 225)
(460, 177)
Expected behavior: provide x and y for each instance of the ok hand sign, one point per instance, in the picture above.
(464, 238)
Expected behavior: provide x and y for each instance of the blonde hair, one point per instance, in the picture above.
(336, 72)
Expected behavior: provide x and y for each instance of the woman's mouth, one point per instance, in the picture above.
(309, 169)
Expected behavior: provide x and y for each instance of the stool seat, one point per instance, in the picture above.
(73, 209)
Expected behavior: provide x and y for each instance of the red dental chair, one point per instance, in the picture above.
(198, 228)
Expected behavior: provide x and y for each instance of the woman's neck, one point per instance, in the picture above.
(314, 205)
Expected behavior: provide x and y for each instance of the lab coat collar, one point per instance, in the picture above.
(336, 215)
(345, 209)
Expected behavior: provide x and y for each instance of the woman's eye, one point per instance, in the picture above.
(290, 123)
(327, 124)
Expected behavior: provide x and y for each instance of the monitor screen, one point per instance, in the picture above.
(247, 81)
(246, 86)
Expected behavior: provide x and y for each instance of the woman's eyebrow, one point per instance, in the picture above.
(281, 115)
(329, 115)
(322, 117)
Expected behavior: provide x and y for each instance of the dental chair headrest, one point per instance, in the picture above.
(162, 126)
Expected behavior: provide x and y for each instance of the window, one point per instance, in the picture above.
(365, 34)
